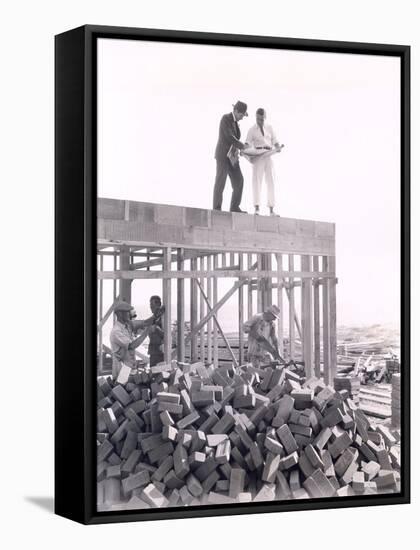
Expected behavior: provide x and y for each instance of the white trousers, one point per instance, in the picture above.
(263, 168)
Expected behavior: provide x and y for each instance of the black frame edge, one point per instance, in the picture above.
(70, 475)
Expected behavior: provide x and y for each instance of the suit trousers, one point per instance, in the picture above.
(223, 169)
(263, 168)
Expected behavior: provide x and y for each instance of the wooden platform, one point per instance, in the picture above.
(154, 224)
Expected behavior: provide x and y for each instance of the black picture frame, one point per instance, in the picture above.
(75, 271)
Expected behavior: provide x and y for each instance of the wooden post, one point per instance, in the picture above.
(333, 319)
(202, 353)
(215, 300)
(100, 313)
(307, 315)
(317, 328)
(250, 306)
(260, 284)
(241, 313)
(180, 308)
(291, 310)
(280, 328)
(210, 321)
(167, 317)
(125, 284)
(193, 311)
(268, 291)
(326, 324)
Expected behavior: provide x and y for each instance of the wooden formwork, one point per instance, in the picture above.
(272, 260)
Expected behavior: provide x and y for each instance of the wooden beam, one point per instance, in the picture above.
(125, 283)
(307, 316)
(326, 327)
(250, 288)
(195, 274)
(209, 306)
(180, 308)
(216, 307)
(100, 313)
(235, 362)
(280, 281)
(202, 351)
(333, 319)
(167, 317)
(215, 301)
(107, 314)
(193, 313)
(260, 289)
(291, 296)
(241, 314)
(317, 327)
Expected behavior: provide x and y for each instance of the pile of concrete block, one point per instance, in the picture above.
(349, 383)
(187, 435)
(396, 399)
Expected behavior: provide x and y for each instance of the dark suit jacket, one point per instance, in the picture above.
(229, 134)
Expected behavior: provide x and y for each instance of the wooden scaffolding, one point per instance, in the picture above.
(273, 260)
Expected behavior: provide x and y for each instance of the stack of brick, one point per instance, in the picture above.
(188, 435)
(396, 400)
(349, 383)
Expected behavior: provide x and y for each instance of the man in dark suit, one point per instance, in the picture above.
(227, 158)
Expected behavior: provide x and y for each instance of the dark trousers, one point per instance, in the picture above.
(155, 358)
(223, 169)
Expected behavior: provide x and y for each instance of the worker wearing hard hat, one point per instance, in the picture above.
(123, 337)
(262, 339)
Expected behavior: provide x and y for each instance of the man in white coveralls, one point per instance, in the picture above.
(262, 136)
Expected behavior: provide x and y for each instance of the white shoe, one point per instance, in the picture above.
(272, 213)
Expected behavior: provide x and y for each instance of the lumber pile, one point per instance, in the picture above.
(186, 434)
(396, 400)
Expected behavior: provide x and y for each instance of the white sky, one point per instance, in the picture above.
(159, 107)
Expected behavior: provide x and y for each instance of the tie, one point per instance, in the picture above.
(262, 129)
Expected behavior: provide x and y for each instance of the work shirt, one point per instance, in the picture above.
(256, 138)
(260, 328)
(120, 338)
(156, 339)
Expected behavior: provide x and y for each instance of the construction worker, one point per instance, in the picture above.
(262, 136)
(123, 338)
(262, 339)
(156, 332)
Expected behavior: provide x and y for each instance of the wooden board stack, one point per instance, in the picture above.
(396, 400)
(186, 435)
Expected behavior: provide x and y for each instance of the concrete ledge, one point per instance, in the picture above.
(148, 223)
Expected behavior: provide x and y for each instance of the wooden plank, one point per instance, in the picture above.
(260, 284)
(280, 280)
(222, 273)
(307, 316)
(250, 288)
(100, 314)
(180, 308)
(107, 313)
(210, 321)
(333, 319)
(241, 314)
(219, 327)
(215, 301)
(328, 379)
(291, 295)
(125, 284)
(167, 317)
(193, 312)
(317, 328)
(217, 306)
(202, 269)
